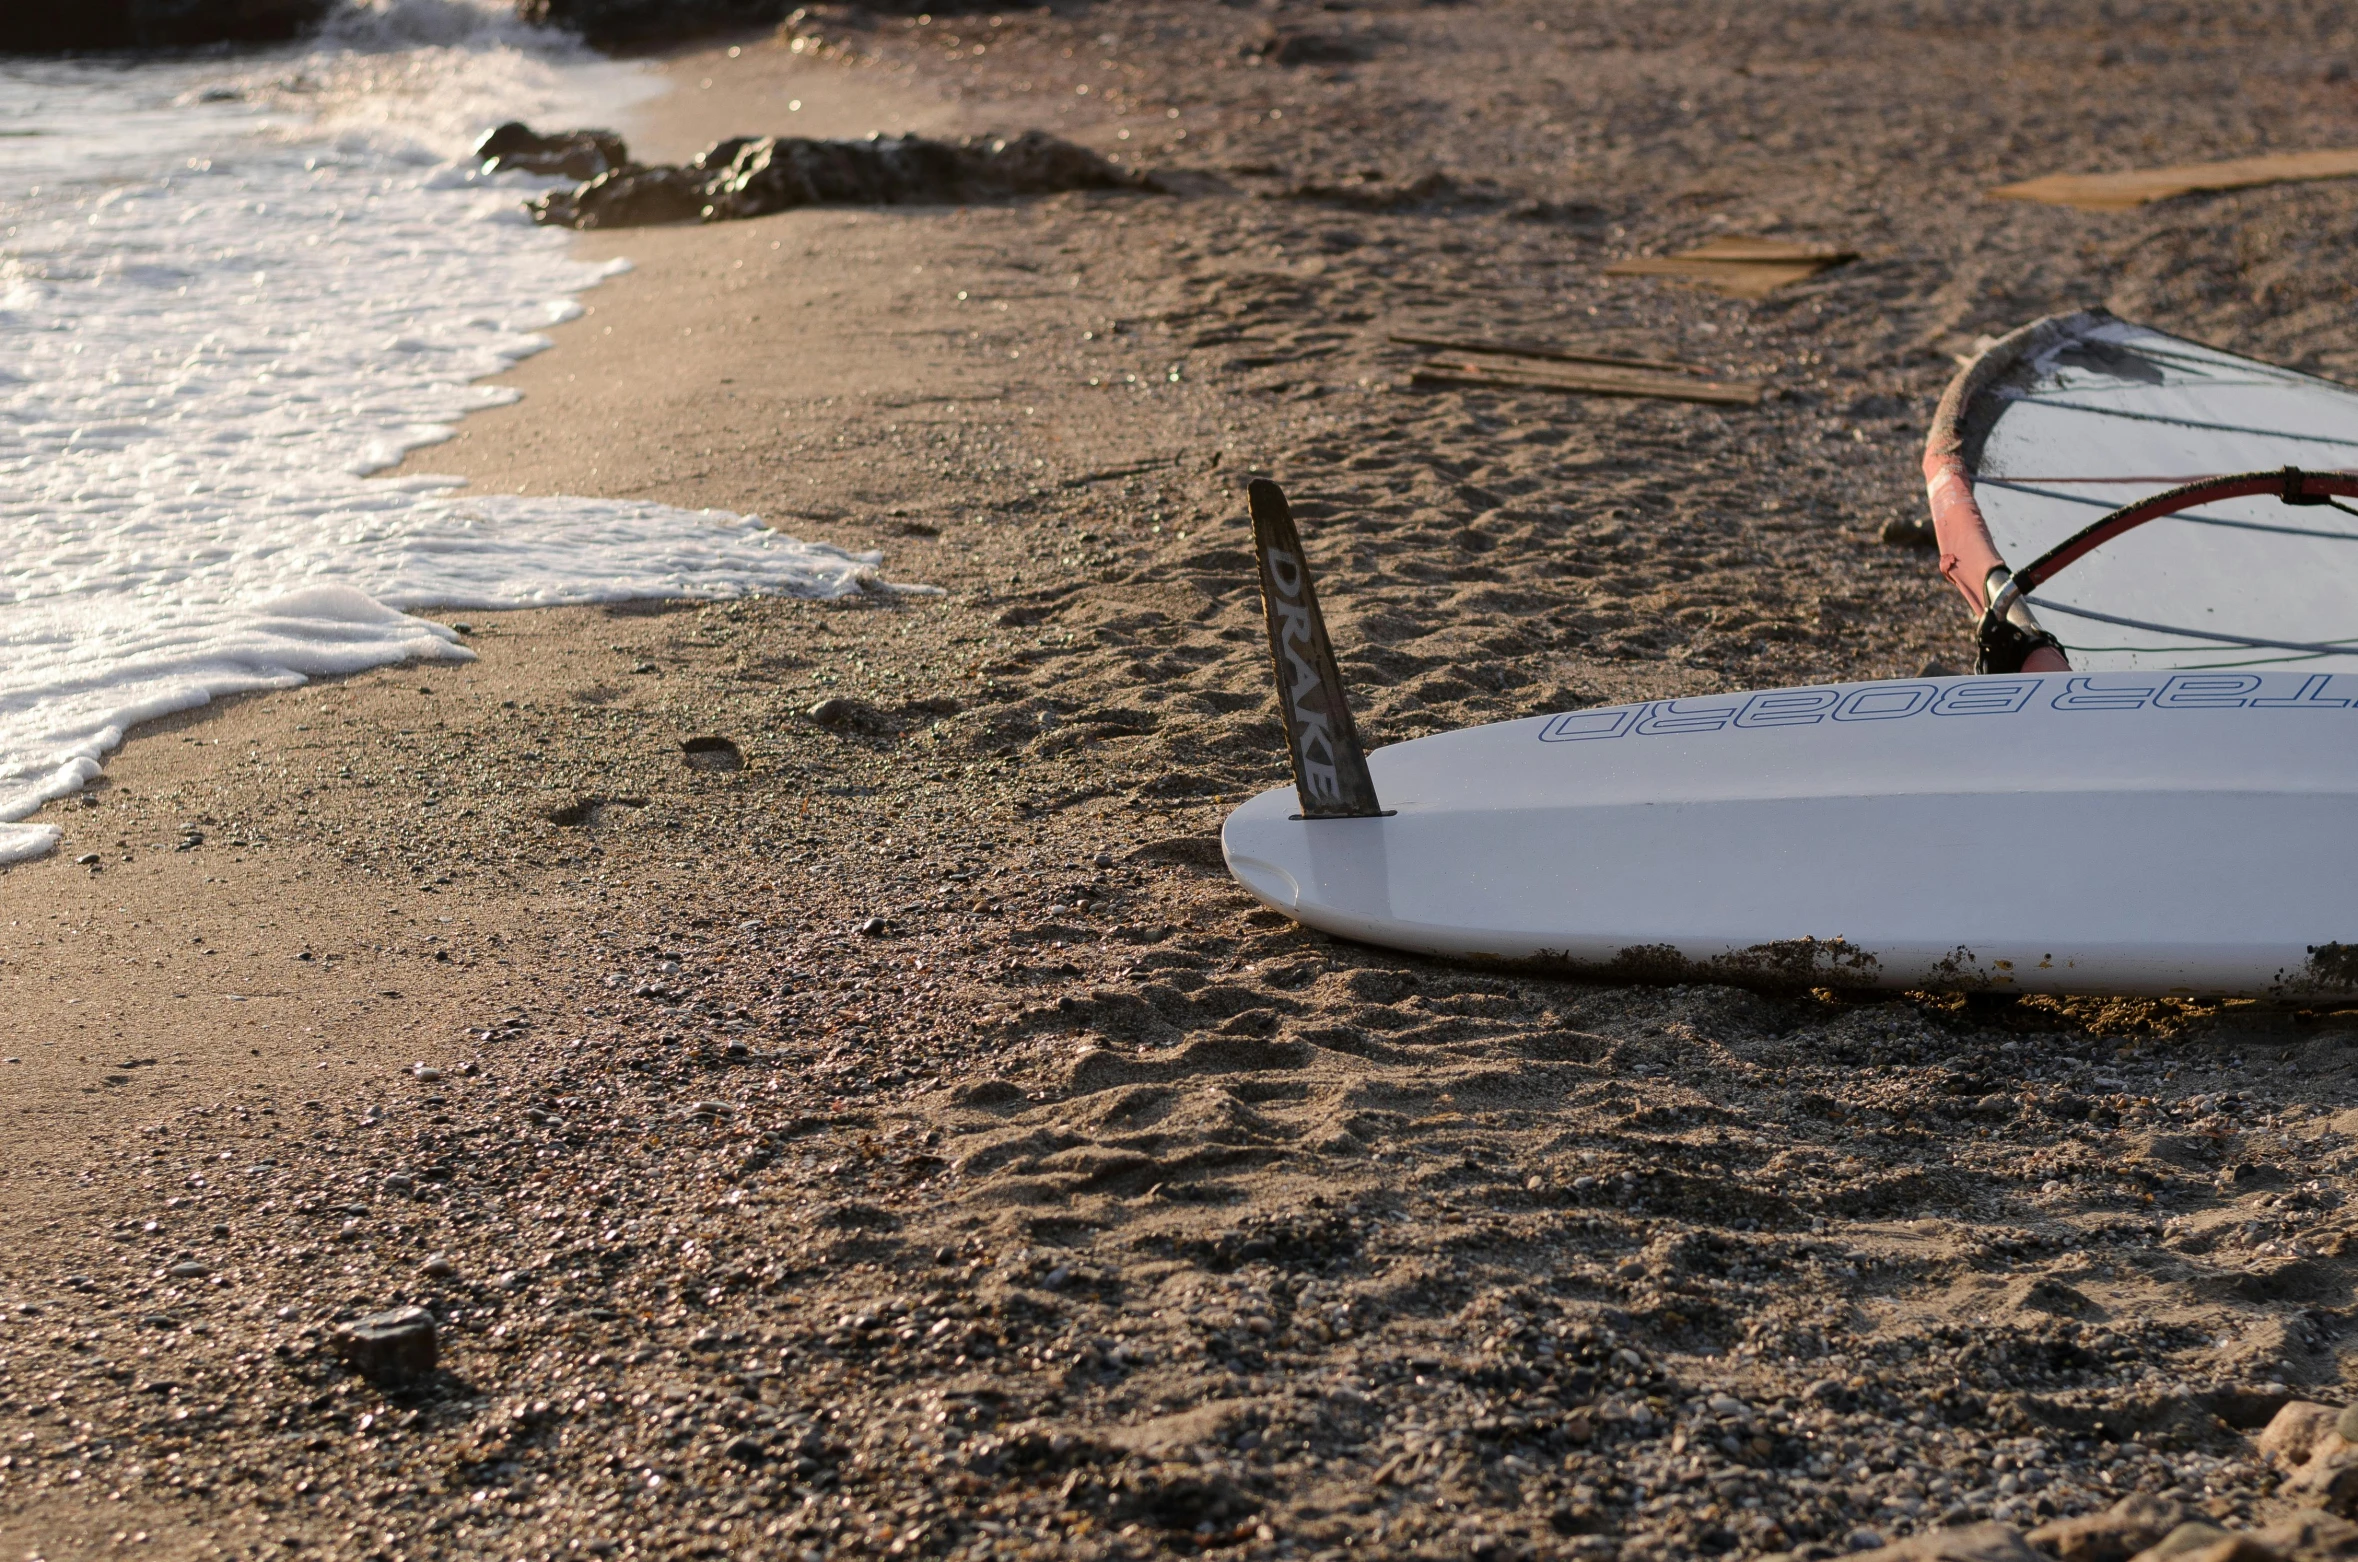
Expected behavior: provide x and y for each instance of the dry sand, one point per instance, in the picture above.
(1084, 1209)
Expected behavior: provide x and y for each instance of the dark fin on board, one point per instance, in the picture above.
(1330, 768)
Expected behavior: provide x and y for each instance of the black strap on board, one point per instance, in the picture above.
(2002, 645)
(1330, 768)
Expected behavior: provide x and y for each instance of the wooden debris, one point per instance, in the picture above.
(1515, 373)
(1138, 468)
(2137, 186)
(1737, 266)
(1538, 350)
(1527, 365)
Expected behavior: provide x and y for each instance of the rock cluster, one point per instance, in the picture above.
(2315, 1445)
(571, 154)
(154, 24)
(2121, 1531)
(2139, 1528)
(752, 176)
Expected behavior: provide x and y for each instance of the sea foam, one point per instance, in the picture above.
(230, 290)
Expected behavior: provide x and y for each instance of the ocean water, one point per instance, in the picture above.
(232, 288)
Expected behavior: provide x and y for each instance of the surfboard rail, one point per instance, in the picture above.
(1969, 556)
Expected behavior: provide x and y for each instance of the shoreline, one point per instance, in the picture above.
(909, 1135)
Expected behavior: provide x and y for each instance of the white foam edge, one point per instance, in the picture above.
(315, 612)
(305, 614)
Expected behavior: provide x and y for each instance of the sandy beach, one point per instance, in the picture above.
(887, 1131)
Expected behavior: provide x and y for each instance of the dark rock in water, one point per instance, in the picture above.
(574, 154)
(33, 27)
(752, 176)
(775, 174)
(626, 197)
(718, 156)
(625, 24)
(391, 1347)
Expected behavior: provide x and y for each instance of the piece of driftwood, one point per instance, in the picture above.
(1537, 350)
(1737, 266)
(1137, 468)
(1504, 373)
(2137, 186)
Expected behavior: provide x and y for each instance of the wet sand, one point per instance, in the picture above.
(1079, 1207)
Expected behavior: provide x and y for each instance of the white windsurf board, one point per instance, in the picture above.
(2135, 833)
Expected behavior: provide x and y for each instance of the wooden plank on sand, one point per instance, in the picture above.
(1736, 265)
(2137, 186)
(1585, 379)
